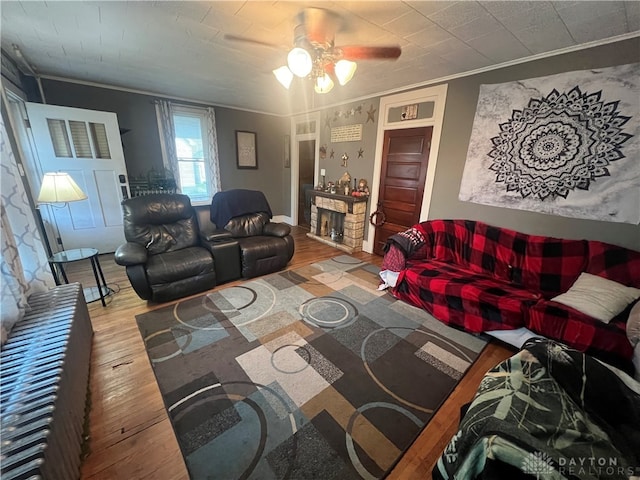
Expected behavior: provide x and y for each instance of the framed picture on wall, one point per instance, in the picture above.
(287, 151)
(246, 151)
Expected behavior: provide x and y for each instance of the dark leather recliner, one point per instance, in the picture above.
(265, 246)
(165, 256)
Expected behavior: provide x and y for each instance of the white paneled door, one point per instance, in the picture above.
(86, 144)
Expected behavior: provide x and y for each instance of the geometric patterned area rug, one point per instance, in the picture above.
(304, 374)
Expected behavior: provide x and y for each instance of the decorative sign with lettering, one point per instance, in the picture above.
(346, 133)
(409, 112)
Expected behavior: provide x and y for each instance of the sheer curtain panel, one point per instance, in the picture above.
(166, 128)
(24, 266)
(214, 164)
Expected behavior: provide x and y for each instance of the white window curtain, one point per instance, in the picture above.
(164, 113)
(214, 164)
(23, 261)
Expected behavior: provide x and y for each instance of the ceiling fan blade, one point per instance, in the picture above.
(320, 25)
(237, 38)
(359, 52)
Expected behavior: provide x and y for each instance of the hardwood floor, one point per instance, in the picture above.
(130, 435)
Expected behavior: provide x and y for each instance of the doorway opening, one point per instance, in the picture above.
(306, 159)
(304, 166)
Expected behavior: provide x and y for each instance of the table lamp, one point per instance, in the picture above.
(57, 187)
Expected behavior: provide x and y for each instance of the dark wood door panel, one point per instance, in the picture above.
(397, 194)
(382, 234)
(403, 170)
(390, 207)
(400, 182)
(404, 144)
(405, 158)
(399, 217)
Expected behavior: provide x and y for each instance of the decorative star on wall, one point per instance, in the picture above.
(360, 153)
(327, 122)
(370, 114)
(331, 154)
(347, 113)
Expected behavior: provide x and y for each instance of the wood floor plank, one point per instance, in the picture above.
(130, 434)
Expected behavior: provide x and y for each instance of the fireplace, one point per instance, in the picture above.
(338, 220)
(330, 224)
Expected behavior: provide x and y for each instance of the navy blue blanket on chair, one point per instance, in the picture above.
(233, 203)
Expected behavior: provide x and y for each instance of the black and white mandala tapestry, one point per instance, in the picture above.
(565, 144)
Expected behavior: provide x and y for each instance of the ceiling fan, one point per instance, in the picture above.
(314, 54)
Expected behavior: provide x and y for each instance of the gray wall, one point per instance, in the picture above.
(358, 167)
(462, 97)
(136, 112)
(271, 177)
(339, 116)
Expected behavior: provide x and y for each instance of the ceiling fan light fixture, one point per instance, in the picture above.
(284, 76)
(344, 70)
(300, 62)
(323, 84)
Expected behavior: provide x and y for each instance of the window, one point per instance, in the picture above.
(82, 146)
(191, 151)
(189, 148)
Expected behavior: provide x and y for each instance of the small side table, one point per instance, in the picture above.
(57, 260)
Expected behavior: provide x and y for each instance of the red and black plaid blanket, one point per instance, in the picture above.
(479, 277)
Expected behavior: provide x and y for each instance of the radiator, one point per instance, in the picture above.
(44, 374)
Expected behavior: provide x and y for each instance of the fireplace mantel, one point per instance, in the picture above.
(352, 211)
(348, 199)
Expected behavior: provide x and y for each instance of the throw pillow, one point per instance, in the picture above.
(598, 297)
(633, 325)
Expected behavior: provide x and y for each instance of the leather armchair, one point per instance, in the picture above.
(265, 246)
(164, 255)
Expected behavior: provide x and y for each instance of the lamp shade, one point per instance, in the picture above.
(323, 84)
(284, 76)
(59, 187)
(344, 71)
(300, 62)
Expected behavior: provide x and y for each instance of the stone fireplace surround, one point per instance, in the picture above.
(345, 213)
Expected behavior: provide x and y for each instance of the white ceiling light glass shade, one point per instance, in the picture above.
(344, 70)
(323, 84)
(284, 76)
(300, 62)
(59, 188)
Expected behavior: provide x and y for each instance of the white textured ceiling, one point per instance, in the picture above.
(177, 48)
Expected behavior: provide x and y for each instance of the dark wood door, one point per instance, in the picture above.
(404, 169)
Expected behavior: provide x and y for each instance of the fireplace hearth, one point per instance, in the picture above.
(338, 220)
